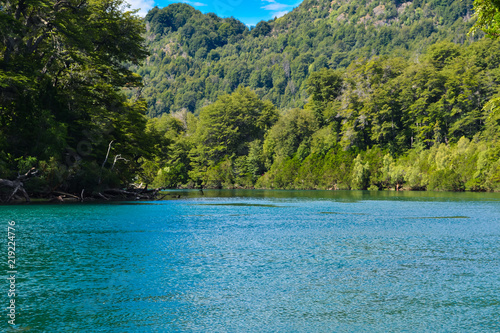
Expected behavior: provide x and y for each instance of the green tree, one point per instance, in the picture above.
(62, 67)
(487, 13)
(227, 127)
(289, 132)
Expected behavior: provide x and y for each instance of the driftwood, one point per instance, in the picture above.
(66, 195)
(58, 196)
(100, 195)
(115, 191)
(57, 199)
(162, 197)
(133, 193)
(17, 184)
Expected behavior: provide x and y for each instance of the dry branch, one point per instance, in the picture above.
(17, 184)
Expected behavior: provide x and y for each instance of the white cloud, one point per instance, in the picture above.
(275, 6)
(194, 3)
(280, 14)
(277, 9)
(143, 5)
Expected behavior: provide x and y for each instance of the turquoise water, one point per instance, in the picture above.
(259, 261)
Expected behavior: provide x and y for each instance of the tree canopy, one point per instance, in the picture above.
(383, 122)
(334, 95)
(197, 57)
(487, 13)
(63, 65)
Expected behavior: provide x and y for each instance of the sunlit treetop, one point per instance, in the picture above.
(487, 13)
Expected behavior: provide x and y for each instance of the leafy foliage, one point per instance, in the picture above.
(371, 95)
(487, 13)
(226, 131)
(62, 67)
(195, 58)
(380, 123)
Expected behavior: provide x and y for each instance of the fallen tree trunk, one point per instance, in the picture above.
(133, 193)
(59, 193)
(18, 192)
(114, 191)
(17, 185)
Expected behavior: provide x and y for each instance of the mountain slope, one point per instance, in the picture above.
(195, 57)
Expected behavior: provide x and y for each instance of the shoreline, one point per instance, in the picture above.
(176, 193)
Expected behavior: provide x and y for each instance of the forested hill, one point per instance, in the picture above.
(386, 96)
(194, 58)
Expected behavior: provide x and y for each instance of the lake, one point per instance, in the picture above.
(258, 261)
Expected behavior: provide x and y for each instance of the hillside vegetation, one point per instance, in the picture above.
(381, 123)
(334, 95)
(195, 57)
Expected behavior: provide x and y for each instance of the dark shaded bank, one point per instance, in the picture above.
(125, 197)
(14, 191)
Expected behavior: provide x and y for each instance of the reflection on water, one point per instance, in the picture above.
(339, 196)
(336, 213)
(330, 261)
(237, 204)
(438, 217)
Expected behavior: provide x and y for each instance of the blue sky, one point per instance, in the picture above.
(248, 11)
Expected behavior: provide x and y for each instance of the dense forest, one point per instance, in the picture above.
(367, 95)
(62, 68)
(195, 58)
(380, 123)
(334, 95)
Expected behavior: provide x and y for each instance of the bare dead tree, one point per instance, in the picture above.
(17, 184)
(105, 160)
(118, 158)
